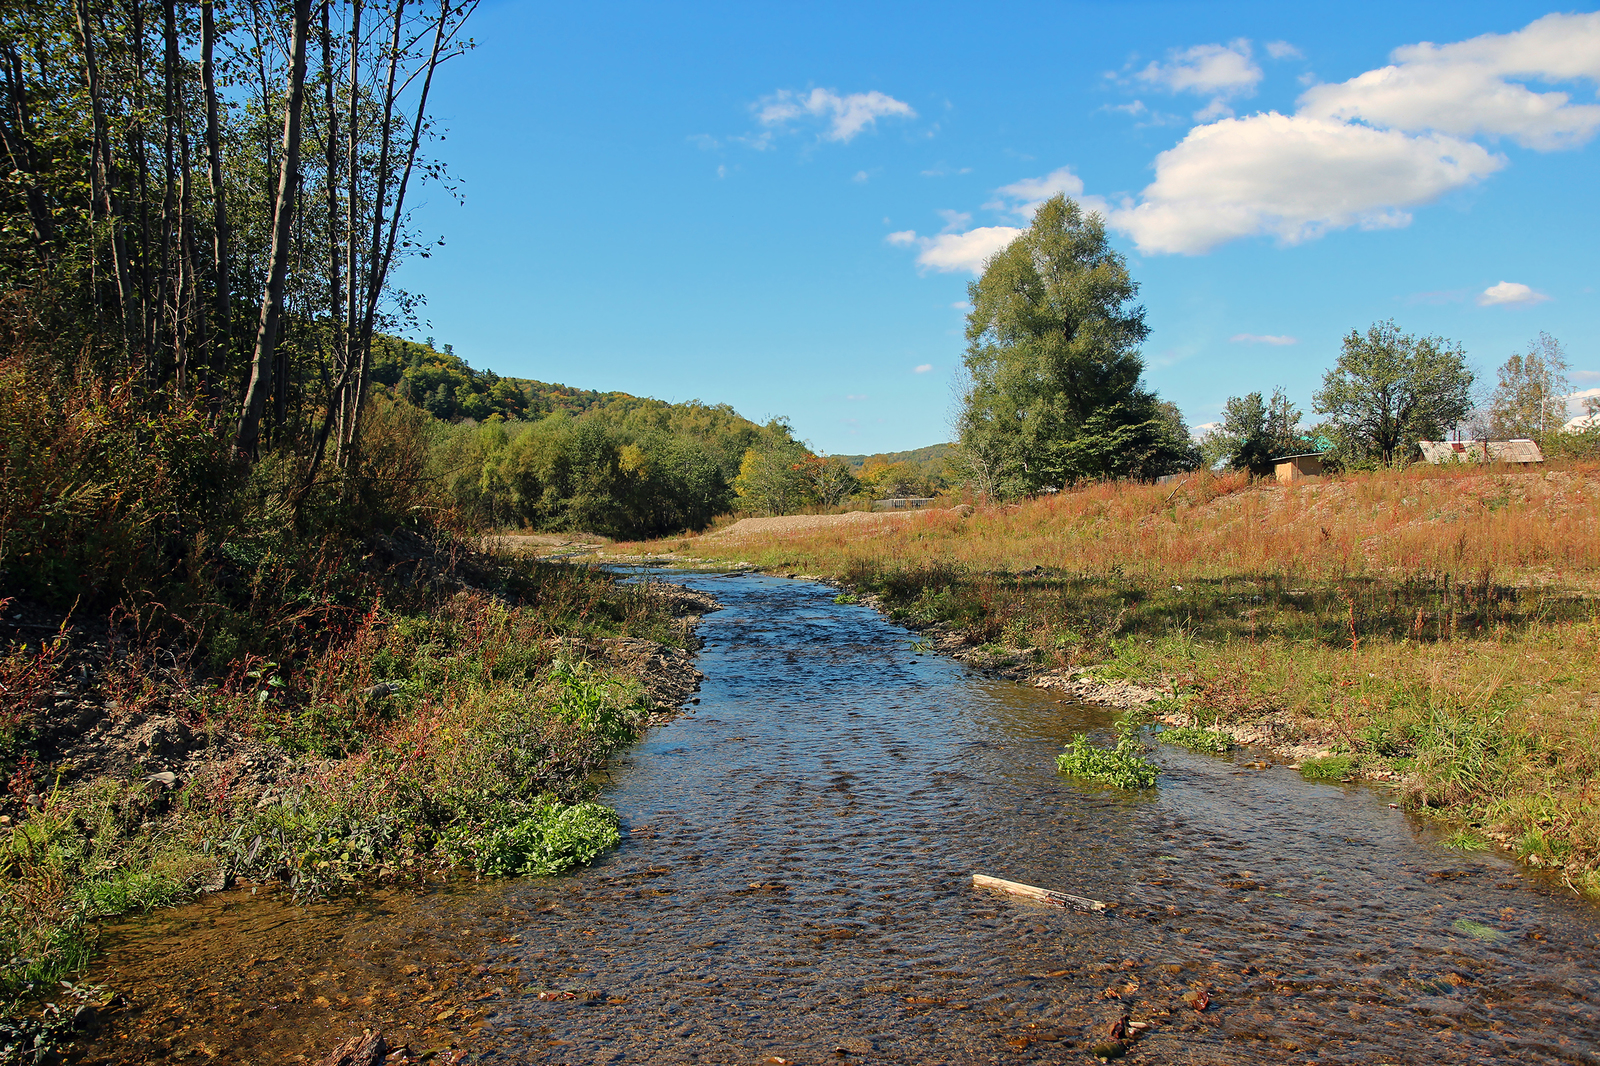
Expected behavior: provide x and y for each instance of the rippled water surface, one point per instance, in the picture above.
(795, 884)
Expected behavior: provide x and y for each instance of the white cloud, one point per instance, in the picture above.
(1263, 338)
(1206, 69)
(722, 170)
(1294, 178)
(846, 115)
(856, 396)
(1215, 70)
(961, 305)
(860, 176)
(1362, 153)
(1467, 89)
(1510, 294)
(950, 252)
(1023, 197)
(1283, 50)
(923, 369)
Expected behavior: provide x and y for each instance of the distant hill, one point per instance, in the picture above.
(933, 453)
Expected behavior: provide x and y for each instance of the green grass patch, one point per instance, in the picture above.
(1328, 768)
(1123, 766)
(1197, 738)
(1466, 840)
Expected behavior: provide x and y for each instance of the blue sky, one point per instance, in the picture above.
(779, 206)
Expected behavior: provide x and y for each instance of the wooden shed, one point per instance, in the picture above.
(1292, 468)
(1481, 451)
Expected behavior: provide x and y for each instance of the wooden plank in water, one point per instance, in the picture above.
(1039, 895)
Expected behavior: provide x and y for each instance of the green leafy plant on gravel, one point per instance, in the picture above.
(1123, 766)
(551, 838)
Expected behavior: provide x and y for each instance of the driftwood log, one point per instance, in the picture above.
(1038, 895)
(368, 1049)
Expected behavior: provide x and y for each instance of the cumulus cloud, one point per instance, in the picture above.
(1474, 87)
(1283, 50)
(923, 369)
(949, 252)
(1292, 177)
(1264, 338)
(1510, 294)
(845, 116)
(1362, 153)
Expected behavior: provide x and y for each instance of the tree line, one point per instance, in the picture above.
(1054, 391)
(1389, 390)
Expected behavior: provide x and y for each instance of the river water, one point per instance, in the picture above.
(795, 884)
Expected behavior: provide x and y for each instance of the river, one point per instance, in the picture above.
(795, 884)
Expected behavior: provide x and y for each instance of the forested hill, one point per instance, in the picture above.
(933, 453)
(441, 383)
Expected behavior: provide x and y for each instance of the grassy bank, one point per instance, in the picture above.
(215, 672)
(1437, 627)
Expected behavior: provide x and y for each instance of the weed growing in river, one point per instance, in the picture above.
(1329, 768)
(1197, 738)
(547, 839)
(1123, 766)
(1465, 840)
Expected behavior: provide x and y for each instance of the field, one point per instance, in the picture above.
(1434, 627)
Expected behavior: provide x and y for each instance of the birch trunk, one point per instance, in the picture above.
(247, 441)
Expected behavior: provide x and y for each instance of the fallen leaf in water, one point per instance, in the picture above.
(1118, 1028)
(1019, 1042)
(448, 1012)
(1197, 998)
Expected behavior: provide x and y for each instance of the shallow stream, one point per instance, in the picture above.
(795, 884)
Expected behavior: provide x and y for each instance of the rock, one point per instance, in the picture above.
(161, 737)
(381, 689)
(368, 1049)
(166, 779)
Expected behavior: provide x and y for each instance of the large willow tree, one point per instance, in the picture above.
(1054, 393)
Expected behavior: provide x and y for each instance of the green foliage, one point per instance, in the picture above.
(1391, 389)
(773, 474)
(1052, 353)
(1254, 432)
(1466, 840)
(1328, 768)
(1197, 738)
(625, 467)
(1530, 400)
(547, 840)
(1123, 766)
